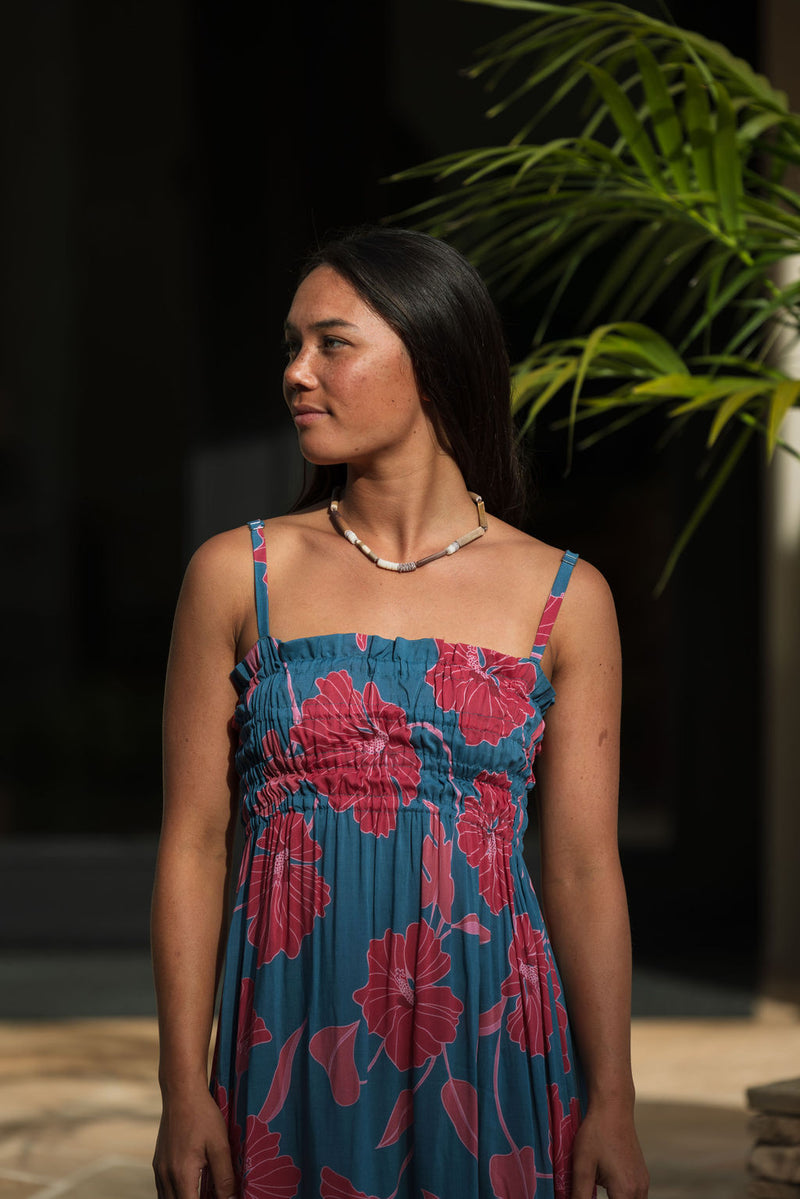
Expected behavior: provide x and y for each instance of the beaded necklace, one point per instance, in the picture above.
(404, 567)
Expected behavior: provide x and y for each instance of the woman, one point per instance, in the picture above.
(392, 1020)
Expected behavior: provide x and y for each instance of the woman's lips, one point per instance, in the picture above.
(305, 417)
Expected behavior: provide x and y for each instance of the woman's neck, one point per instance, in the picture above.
(406, 515)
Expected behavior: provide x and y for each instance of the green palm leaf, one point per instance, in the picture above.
(633, 133)
(664, 116)
(699, 128)
(727, 163)
(732, 406)
(784, 397)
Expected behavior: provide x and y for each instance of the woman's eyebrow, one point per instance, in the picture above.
(329, 322)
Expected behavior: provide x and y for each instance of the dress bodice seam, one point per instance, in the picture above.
(396, 643)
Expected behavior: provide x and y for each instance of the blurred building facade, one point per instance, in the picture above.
(165, 168)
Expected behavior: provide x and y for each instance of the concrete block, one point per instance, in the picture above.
(782, 1098)
(774, 1130)
(779, 1163)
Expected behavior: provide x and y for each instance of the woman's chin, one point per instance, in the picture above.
(317, 457)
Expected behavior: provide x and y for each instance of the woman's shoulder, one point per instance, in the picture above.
(525, 565)
(222, 553)
(225, 560)
(223, 550)
(542, 561)
(218, 579)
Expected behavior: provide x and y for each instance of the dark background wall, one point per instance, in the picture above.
(164, 168)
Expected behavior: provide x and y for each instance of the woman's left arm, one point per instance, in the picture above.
(583, 894)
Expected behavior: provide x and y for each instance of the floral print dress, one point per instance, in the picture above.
(392, 1022)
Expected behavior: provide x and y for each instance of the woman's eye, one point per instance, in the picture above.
(328, 342)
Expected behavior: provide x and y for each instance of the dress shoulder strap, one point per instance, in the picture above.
(260, 565)
(553, 603)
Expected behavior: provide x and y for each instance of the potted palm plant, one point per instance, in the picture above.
(678, 181)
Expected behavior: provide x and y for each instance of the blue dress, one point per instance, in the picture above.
(392, 1023)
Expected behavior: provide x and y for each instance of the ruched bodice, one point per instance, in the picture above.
(427, 743)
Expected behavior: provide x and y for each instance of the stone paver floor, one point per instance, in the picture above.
(78, 1109)
(79, 1104)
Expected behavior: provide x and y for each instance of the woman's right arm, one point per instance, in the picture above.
(189, 908)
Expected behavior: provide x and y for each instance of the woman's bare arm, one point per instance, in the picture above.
(189, 909)
(583, 893)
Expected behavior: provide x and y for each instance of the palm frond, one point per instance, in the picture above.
(675, 179)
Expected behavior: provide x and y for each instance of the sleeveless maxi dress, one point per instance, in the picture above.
(392, 1022)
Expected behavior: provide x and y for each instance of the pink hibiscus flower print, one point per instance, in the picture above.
(437, 874)
(563, 1128)
(401, 1001)
(533, 747)
(358, 751)
(260, 554)
(530, 1021)
(549, 615)
(252, 1029)
(490, 691)
(252, 661)
(283, 773)
(485, 830)
(266, 1174)
(286, 892)
(513, 1175)
(336, 1186)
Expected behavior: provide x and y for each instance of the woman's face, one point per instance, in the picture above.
(349, 383)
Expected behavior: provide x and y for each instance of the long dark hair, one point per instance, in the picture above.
(438, 305)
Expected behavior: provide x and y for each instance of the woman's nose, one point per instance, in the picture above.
(298, 372)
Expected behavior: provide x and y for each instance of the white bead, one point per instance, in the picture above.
(351, 537)
(452, 547)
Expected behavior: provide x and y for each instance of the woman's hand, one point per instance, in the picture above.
(607, 1153)
(192, 1136)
